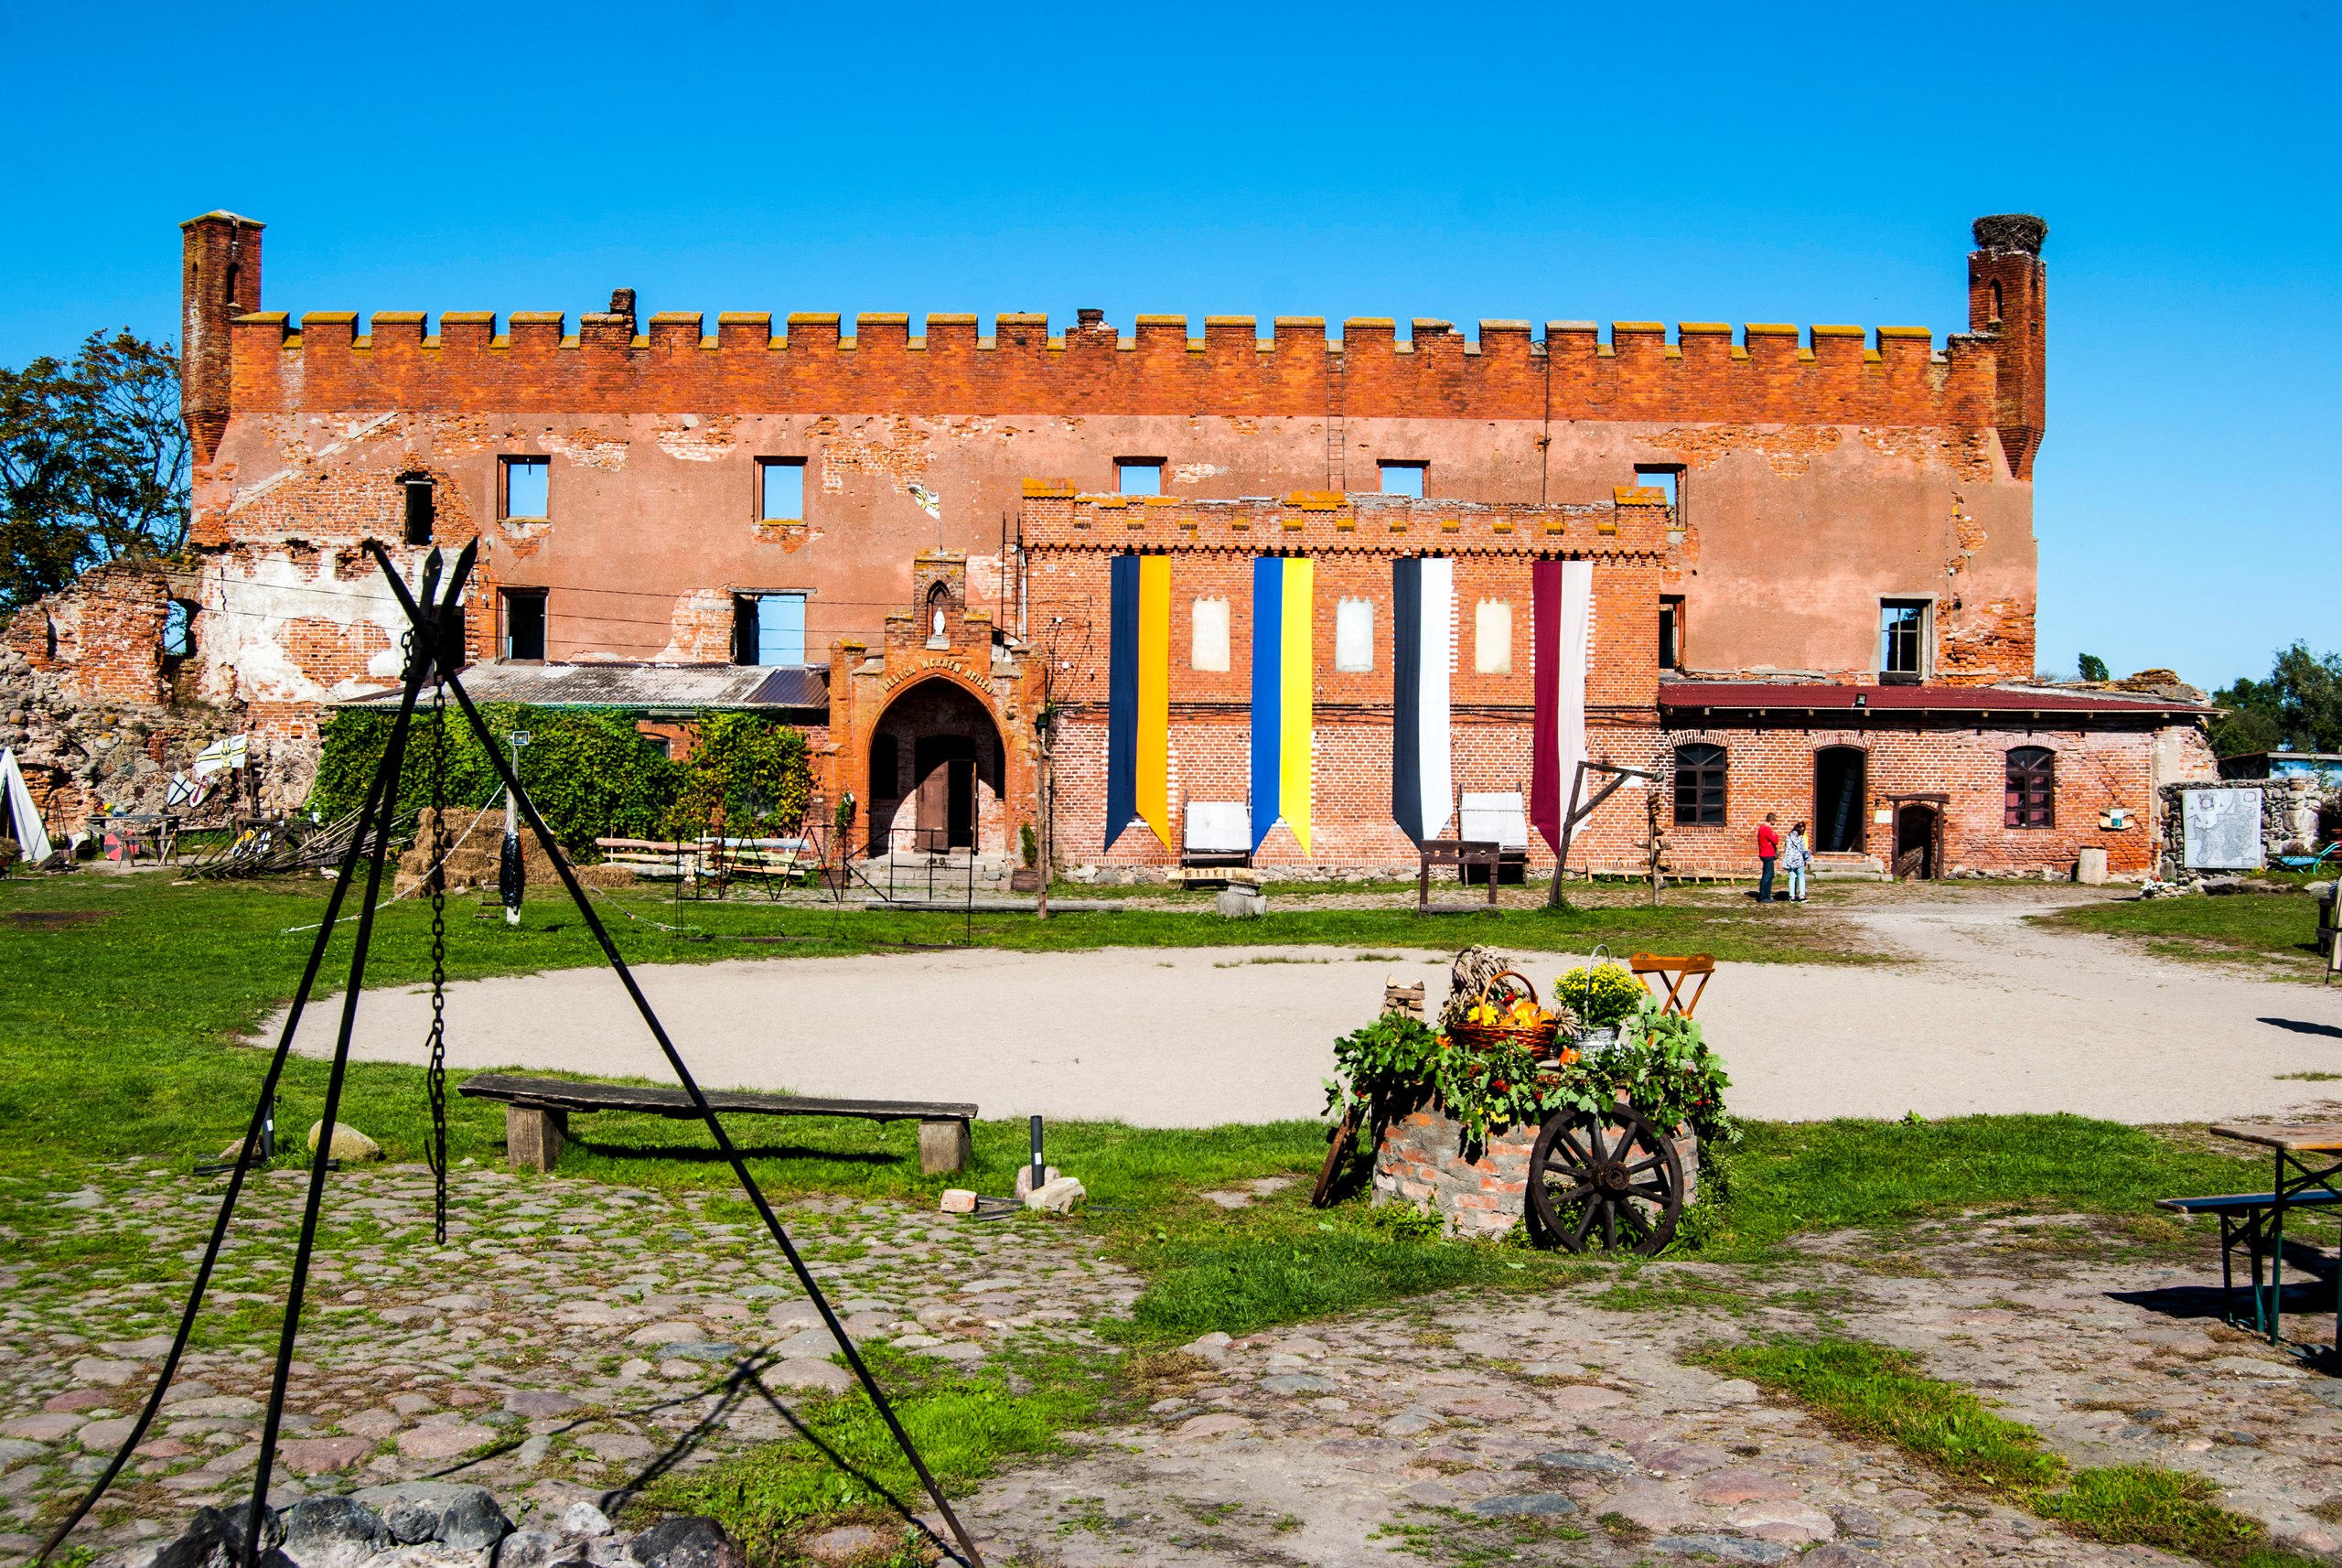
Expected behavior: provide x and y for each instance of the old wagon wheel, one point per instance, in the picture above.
(1613, 1179)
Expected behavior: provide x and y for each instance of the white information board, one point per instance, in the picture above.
(2223, 828)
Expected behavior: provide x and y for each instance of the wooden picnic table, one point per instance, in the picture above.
(2306, 1160)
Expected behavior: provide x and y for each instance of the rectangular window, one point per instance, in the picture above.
(1700, 770)
(1658, 477)
(525, 623)
(768, 629)
(1208, 640)
(1139, 475)
(781, 490)
(2032, 795)
(1671, 632)
(526, 482)
(1492, 637)
(1403, 478)
(1354, 635)
(1902, 638)
(421, 514)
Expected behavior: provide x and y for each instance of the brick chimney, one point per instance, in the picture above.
(219, 281)
(2007, 302)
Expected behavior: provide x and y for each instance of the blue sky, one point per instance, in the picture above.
(1678, 163)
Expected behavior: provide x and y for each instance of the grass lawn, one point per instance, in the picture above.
(114, 1039)
(2277, 930)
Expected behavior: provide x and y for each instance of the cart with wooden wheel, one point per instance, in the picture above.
(1607, 1178)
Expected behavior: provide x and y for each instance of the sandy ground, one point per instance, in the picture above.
(1987, 1013)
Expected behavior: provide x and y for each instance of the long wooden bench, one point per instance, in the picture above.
(537, 1112)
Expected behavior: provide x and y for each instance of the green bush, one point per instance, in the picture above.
(590, 772)
(760, 771)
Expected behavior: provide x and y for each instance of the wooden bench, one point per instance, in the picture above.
(2243, 1218)
(537, 1112)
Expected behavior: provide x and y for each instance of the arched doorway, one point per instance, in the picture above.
(1838, 798)
(1918, 827)
(936, 770)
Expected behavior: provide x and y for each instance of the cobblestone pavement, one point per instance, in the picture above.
(570, 1336)
(1562, 1430)
(574, 1337)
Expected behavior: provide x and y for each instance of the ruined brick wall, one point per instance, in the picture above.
(1821, 469)
(87, 700)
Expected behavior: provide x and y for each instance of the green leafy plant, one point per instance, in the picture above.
(589, 771)
(1661, 1065)
(1029, 842)
(1601, 995)
(760, 772)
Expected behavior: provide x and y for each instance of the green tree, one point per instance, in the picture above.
(93, 463)
(2299, 705)
(2093, 668)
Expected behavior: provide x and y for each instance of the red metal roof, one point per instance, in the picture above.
(1777, 696)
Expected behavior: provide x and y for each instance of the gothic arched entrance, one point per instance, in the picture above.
(936, 773)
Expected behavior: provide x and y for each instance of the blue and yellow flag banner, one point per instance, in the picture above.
(1284, 695)
(1153, 759)
(1138, 696)
(1121, 697)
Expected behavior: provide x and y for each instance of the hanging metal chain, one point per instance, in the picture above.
(435, 1077)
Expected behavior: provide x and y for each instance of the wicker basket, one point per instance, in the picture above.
(1536, 1038)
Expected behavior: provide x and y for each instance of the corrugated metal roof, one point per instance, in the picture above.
(1776, 696)
(660, 686)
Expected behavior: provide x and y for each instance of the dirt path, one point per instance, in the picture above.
(1989, 1014)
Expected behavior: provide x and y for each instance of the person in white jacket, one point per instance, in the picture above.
(1795, 858)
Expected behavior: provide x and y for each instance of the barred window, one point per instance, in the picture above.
(2032, 788)
(1698, 785)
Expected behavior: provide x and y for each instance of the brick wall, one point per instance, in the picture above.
(1772, 769)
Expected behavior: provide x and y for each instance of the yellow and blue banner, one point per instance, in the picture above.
(1138, 696)
(1284, 695)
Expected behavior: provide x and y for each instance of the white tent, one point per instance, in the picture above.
(23, 818)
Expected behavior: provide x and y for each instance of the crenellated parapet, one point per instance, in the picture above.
(1634, 523)
(1763, 373)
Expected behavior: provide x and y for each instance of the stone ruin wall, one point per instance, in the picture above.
(96, 714)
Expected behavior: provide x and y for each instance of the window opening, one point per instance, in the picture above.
(1207, 641)
(525, 623)
(1354, 635)
(768, 629)
(1902, 638)
(2032, 788)
(1658, 479)
(1403, 478)
(1492, 637)
(526, 483)
(781, 490)
(1139, 475)
(1698, 785)
(1996, 303)
(1671, 632)
(178, 630)
(422, 509)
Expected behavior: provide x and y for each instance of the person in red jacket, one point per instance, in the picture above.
(1768, 855)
